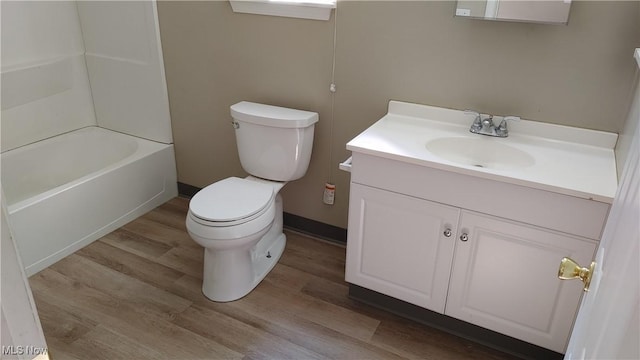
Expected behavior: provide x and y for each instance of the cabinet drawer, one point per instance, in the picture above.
(533, 206)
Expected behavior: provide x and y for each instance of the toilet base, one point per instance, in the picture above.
(246, 278)
(230, 275)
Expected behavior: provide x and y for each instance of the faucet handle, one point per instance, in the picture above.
(503, 123)
(502, 130)
(477, 120)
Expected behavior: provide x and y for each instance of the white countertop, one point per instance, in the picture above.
(566, 160)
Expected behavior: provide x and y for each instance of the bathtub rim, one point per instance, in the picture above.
(144, 147)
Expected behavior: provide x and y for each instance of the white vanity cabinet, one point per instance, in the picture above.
(477, 250)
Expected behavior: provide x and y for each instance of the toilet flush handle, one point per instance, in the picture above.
(236, 125)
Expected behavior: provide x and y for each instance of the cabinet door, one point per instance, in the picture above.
(505, 278)
(397, 245)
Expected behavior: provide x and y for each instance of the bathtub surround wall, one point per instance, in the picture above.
(124, 58)
(45, 86)
(45, 83)
(578, 75)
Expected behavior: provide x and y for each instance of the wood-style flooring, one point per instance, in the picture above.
(135, 294)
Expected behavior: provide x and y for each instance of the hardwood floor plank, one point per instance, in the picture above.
(119, 285)
(139, 323)
(136, 244)
(62, 325)
(240, 336)
(288, 278)
(108, 344)
(188, 260)
(398, 335)
(189, 287)
(59, 350)
(267, 300)
(289, 326)
(338, 294)
(75, 297)
(416, 341)
(130, 264)
(159, 232)
(169, 216)
(315, 257)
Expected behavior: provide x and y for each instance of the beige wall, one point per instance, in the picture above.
(578, 75)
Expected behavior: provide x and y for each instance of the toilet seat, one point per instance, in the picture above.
(230, 202)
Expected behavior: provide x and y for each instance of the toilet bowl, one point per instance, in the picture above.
(239, 221)
(233, 263)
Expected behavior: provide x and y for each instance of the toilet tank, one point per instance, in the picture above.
(274, 143)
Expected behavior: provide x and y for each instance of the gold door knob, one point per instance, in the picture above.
(570, 269)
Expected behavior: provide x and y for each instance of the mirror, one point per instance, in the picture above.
(546, 11)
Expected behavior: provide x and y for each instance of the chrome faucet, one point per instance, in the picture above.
(483, 124)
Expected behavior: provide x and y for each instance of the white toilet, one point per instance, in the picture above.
(239, 221)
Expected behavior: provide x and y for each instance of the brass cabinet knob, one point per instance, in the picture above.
(569, 269)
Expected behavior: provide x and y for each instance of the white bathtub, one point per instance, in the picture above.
(64, 192)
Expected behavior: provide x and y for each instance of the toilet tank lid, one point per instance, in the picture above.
(269, 115)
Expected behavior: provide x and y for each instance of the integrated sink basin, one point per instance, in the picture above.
(566, 160)
(483, 152)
